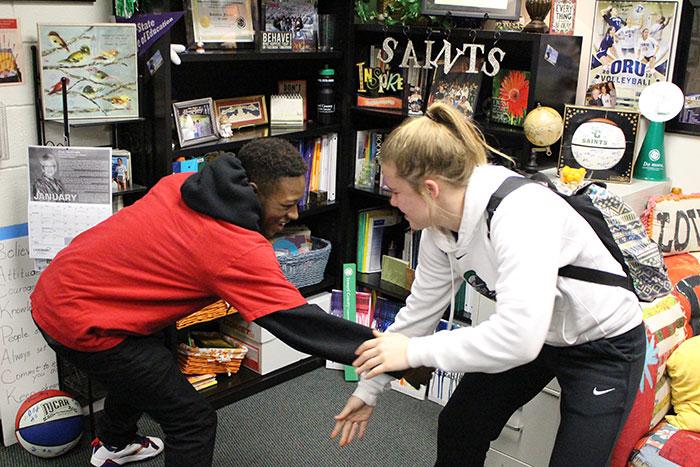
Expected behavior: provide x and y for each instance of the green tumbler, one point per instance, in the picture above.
(650, 163)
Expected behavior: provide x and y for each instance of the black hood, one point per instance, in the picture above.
(221, 190)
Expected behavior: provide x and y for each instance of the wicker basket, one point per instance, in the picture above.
(216, 310)
(307, 268)
(197, 361)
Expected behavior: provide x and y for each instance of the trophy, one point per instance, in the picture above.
(658, 102)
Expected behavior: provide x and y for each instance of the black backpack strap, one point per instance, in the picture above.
(509, 185)
(574, 272)
(594, 275)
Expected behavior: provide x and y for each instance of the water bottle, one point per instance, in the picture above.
(326, 96)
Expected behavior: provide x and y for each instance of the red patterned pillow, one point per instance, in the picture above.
(684, 271)
(639, 419)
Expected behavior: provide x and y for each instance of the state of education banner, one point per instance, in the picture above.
(631, 47)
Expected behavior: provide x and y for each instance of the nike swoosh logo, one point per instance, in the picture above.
(597, 392)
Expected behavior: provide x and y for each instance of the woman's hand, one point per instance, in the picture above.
(387, 352)
(352, 421)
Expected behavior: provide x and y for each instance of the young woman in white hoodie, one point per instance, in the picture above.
(589, 336)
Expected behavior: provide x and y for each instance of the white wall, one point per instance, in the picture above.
(19, 99)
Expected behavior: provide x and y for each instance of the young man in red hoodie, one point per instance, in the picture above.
(192, 239)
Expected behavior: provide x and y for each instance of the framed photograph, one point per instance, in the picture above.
(300, 17)
(194, 121)
(221, 21)
(456, 88)
(686, 71)
(11, 66)
(238, 112)
(600, 140)
(497, 9)
(99, 63)
(632, 45)
(121, 170)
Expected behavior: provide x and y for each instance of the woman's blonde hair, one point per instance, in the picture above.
(442, 144)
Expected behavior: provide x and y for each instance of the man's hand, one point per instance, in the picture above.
(387, 352)
(352, 421)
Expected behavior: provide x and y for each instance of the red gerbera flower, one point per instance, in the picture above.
(514, 90)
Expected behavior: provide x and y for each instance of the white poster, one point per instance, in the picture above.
(631, 48)
(27, 363)
(70, 190)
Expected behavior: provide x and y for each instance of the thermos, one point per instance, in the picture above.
(326, 96)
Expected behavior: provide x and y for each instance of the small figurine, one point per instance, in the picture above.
(200, 48)
(571, 177)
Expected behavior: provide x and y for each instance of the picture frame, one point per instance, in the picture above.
(600, 140)
(100, 64)
(457, 88)
(471, 9)
(121, 170)
(11, 62)
(686, 70)
(300, 17)
(221, 23)
(632, 44)
(195, 122)
(238, 112)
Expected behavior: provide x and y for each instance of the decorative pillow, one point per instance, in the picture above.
(665, 321)
(667, 446)
(684, 272)
(683, 370)
(673, 221)
(639, 420)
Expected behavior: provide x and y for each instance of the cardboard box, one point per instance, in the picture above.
(235, 326)
(266, 357)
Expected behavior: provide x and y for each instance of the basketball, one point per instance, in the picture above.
(598, 144)
(49, 423)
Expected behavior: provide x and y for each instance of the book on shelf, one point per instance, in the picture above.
(204, 381)
(349, 304)
(371, 239)
(379, 86)
(511, 89)
(394, 271)
(320, 155)
(294, 86)
(368, 148)
(363, 314)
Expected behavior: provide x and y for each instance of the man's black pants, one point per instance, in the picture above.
(141, 375)
(599, 381)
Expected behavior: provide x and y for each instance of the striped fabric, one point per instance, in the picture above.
(665, 320)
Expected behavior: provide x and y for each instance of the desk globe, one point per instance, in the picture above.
(543, 127)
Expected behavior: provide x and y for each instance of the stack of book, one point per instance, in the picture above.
(200, 382)
(372, 238)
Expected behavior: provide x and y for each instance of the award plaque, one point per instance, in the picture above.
(221, 21)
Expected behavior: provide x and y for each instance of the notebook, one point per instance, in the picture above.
(287, 110)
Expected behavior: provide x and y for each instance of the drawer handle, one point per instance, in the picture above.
(514, 427)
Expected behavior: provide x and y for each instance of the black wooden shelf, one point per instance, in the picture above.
(323, 286)
(246, 382)
(309, 211)
(308, 130)
(373, 281)
(132, 190)
(462, 33)
(379, 112)
(372, 193)
(256, 55)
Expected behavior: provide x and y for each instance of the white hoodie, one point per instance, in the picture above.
(533, 233)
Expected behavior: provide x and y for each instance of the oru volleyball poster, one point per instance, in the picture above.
(631, 48)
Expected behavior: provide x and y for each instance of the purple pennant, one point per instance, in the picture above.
(151, 26)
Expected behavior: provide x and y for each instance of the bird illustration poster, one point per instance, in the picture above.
(10, 52)
(99, 64)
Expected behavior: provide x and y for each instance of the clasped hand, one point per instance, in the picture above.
(386, 352)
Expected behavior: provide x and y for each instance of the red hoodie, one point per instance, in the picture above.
(157, 261)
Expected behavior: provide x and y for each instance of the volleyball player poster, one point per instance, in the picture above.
(631, 47)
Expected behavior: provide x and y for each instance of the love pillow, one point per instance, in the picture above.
(673, 222)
